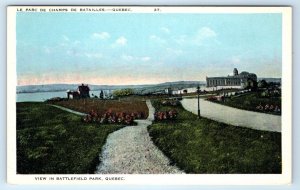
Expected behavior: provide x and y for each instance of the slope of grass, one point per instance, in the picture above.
(52, 141)
(249, 101)
(206, 146)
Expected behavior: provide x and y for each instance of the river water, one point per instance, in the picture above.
(233, 116)
(42, 96)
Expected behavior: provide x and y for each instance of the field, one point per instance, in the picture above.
(206, 146)
(52, 141)
(249, 101)
(101, 106)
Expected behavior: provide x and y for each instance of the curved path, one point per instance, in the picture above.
(131, 151)
(233, 116)
(68, 110)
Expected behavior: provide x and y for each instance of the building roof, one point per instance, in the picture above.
(241, 75)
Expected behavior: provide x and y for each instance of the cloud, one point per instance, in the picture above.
(145, 59)
(235, 59)
(157, 39)
(66, 38)
(76, 42)
(153, 37)
(93, 55)
(204, 34)
(89, 55)
(65, 42)
(172, 51)
(127, 57)
(73, 52)
(181, 39)
(121, 41)
(134, 58)
(165, 30)
(101, 35)
(47, 50)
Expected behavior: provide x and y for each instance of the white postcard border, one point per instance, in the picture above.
(157, 179)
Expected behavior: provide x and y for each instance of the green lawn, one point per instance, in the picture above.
(206, 146)
(52, 141)
(249, 101)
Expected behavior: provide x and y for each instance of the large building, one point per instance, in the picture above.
(235, 80)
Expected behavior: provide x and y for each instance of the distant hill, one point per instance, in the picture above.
(174, 85)
(138, 88)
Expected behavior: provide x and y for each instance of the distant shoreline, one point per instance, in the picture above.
(41, 91)
(64, 87)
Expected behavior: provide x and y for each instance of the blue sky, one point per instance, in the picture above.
(144, 48)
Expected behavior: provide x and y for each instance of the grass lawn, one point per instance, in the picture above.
(249, 101)
(206, 146)
(101, 106)
(52, 141)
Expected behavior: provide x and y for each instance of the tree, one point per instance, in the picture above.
(101, 95)
(262, 84)
(251, 84)
(123, 92)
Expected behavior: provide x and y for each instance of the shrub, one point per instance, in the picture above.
(170, 102)
(54, 99)
(212, 98)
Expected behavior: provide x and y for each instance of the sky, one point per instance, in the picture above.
(121, 49)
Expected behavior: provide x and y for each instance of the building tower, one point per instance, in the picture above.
(235, 72)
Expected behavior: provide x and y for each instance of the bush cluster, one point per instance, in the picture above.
(110, 117)
(123, 92)
(170, 103)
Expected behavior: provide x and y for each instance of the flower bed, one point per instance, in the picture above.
(102, 106)
(269, 108)
(110, 117)
(165, 115)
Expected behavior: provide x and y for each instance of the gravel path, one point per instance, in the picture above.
(233, 116)
(69, 110)
(131, 151)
